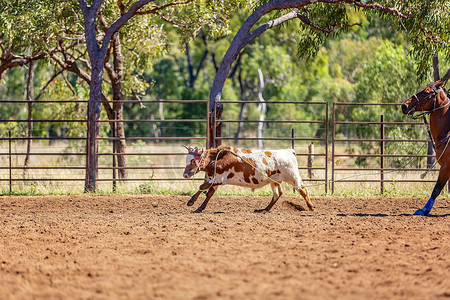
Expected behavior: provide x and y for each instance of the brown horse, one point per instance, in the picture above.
(433, 100)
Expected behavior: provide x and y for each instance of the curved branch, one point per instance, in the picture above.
(376, 6)
(157, 8)
(446, 76)
(243, 37)
(120, 21)
(13, 60)
(56, 74)
(317, 27)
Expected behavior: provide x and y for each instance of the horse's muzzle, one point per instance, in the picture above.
(405, 108)
(407, 111)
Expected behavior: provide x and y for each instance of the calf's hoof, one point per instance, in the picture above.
(261, 210)
(197, 211)
(190, 203)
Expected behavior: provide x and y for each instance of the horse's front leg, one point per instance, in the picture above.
(444, 174)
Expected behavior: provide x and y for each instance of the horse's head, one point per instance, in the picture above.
(423, 100)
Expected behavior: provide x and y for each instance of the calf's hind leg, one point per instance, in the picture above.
(304, 192)
(277, 192)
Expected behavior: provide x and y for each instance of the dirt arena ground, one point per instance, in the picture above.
(153, 247)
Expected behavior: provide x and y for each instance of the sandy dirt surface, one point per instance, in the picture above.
(153, 247)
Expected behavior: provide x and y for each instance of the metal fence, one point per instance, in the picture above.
(58, 153)
(383, 147)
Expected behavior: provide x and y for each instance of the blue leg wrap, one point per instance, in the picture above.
(426, 209)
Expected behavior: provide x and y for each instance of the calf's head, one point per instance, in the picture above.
(192, 162)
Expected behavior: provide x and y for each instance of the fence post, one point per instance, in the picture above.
(382, 154)
(292, 139)
(310, 160)
(218, 110)
(327, 124)
(332, 147)
(209, 126)
(10, 161)
(114, 135)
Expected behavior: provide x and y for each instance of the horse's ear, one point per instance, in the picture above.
(187, 148)
(201, 151)
(439, 84)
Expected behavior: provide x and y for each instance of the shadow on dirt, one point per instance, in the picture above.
(393, 215)
(294, 206)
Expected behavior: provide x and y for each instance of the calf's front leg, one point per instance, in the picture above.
(211, 191)
(203, 188)
(194, 198)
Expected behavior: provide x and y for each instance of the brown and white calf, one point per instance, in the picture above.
(246, 168)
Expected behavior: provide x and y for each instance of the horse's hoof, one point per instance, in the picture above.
(420, 212)
(260, 211)
(190, 203)
(197, 211)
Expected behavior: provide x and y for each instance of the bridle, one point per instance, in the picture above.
(423, 114)
(435, 93)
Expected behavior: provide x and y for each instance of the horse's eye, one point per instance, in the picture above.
(192, 162)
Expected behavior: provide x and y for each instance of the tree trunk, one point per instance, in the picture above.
(121, 145)
(239, 129)
(190, 66)
(116, 82)
(94, 109)
(241, 113)
(97, 55)
(262, 108)
(29, 96)
(161, 117)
